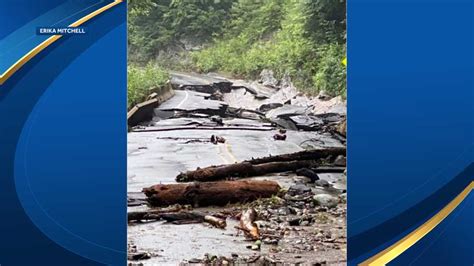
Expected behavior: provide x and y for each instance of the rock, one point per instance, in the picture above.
(308, 173)
(328, 235)
(139, 256)
(284, 211)
(304, 223)
(321, 183)
(343, 197)
(340, 187)
(287, 124)
(217, 96)
(324, 96)
(263, 224)
(326, 200)
(270, 241)
(269, 106)
(286, 111)
(253, 259)
(286, 81)
(293, 210)
(255, 247)
(340, 160)
(194, 260)
(267, 78)
(217, 119)
(217, 139)
(301, 180)
(260, 91)
(279, 137)
(319, 190)
(294, 222)
(135, 264)
(341, 128)
(340, 109)
(307, 122)
(298, 189)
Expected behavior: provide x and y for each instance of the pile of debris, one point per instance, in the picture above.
(286, 205)
(210, 101)
(266, 213)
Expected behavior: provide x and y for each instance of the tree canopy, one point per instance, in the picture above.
(305, 39)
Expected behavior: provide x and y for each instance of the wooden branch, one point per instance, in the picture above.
(215, 221)
(152, 214)
(178, 217)
(247, 224)
(329, 169)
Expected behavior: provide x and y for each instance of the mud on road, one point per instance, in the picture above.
(212, 120)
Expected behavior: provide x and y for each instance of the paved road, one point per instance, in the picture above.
(178, 139)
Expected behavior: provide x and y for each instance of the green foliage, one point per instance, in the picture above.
(155, 25)
(142, 81)
(307, 41)
(241, 49)
(331, 73)
(304, 38)
(252, 20)
(326, 21)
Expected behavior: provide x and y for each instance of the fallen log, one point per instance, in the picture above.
(216, 172)
(178, 217)
(329, 169)
(210, 193)
(244, 169)
(183, 217)
(261, 166)
(302, 155)
(152, 214)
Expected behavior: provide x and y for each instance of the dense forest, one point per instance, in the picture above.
(303, 38)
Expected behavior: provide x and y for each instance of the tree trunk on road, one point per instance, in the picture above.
(244, 169)
(261, 166)
(302, 155)
(210, 193)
